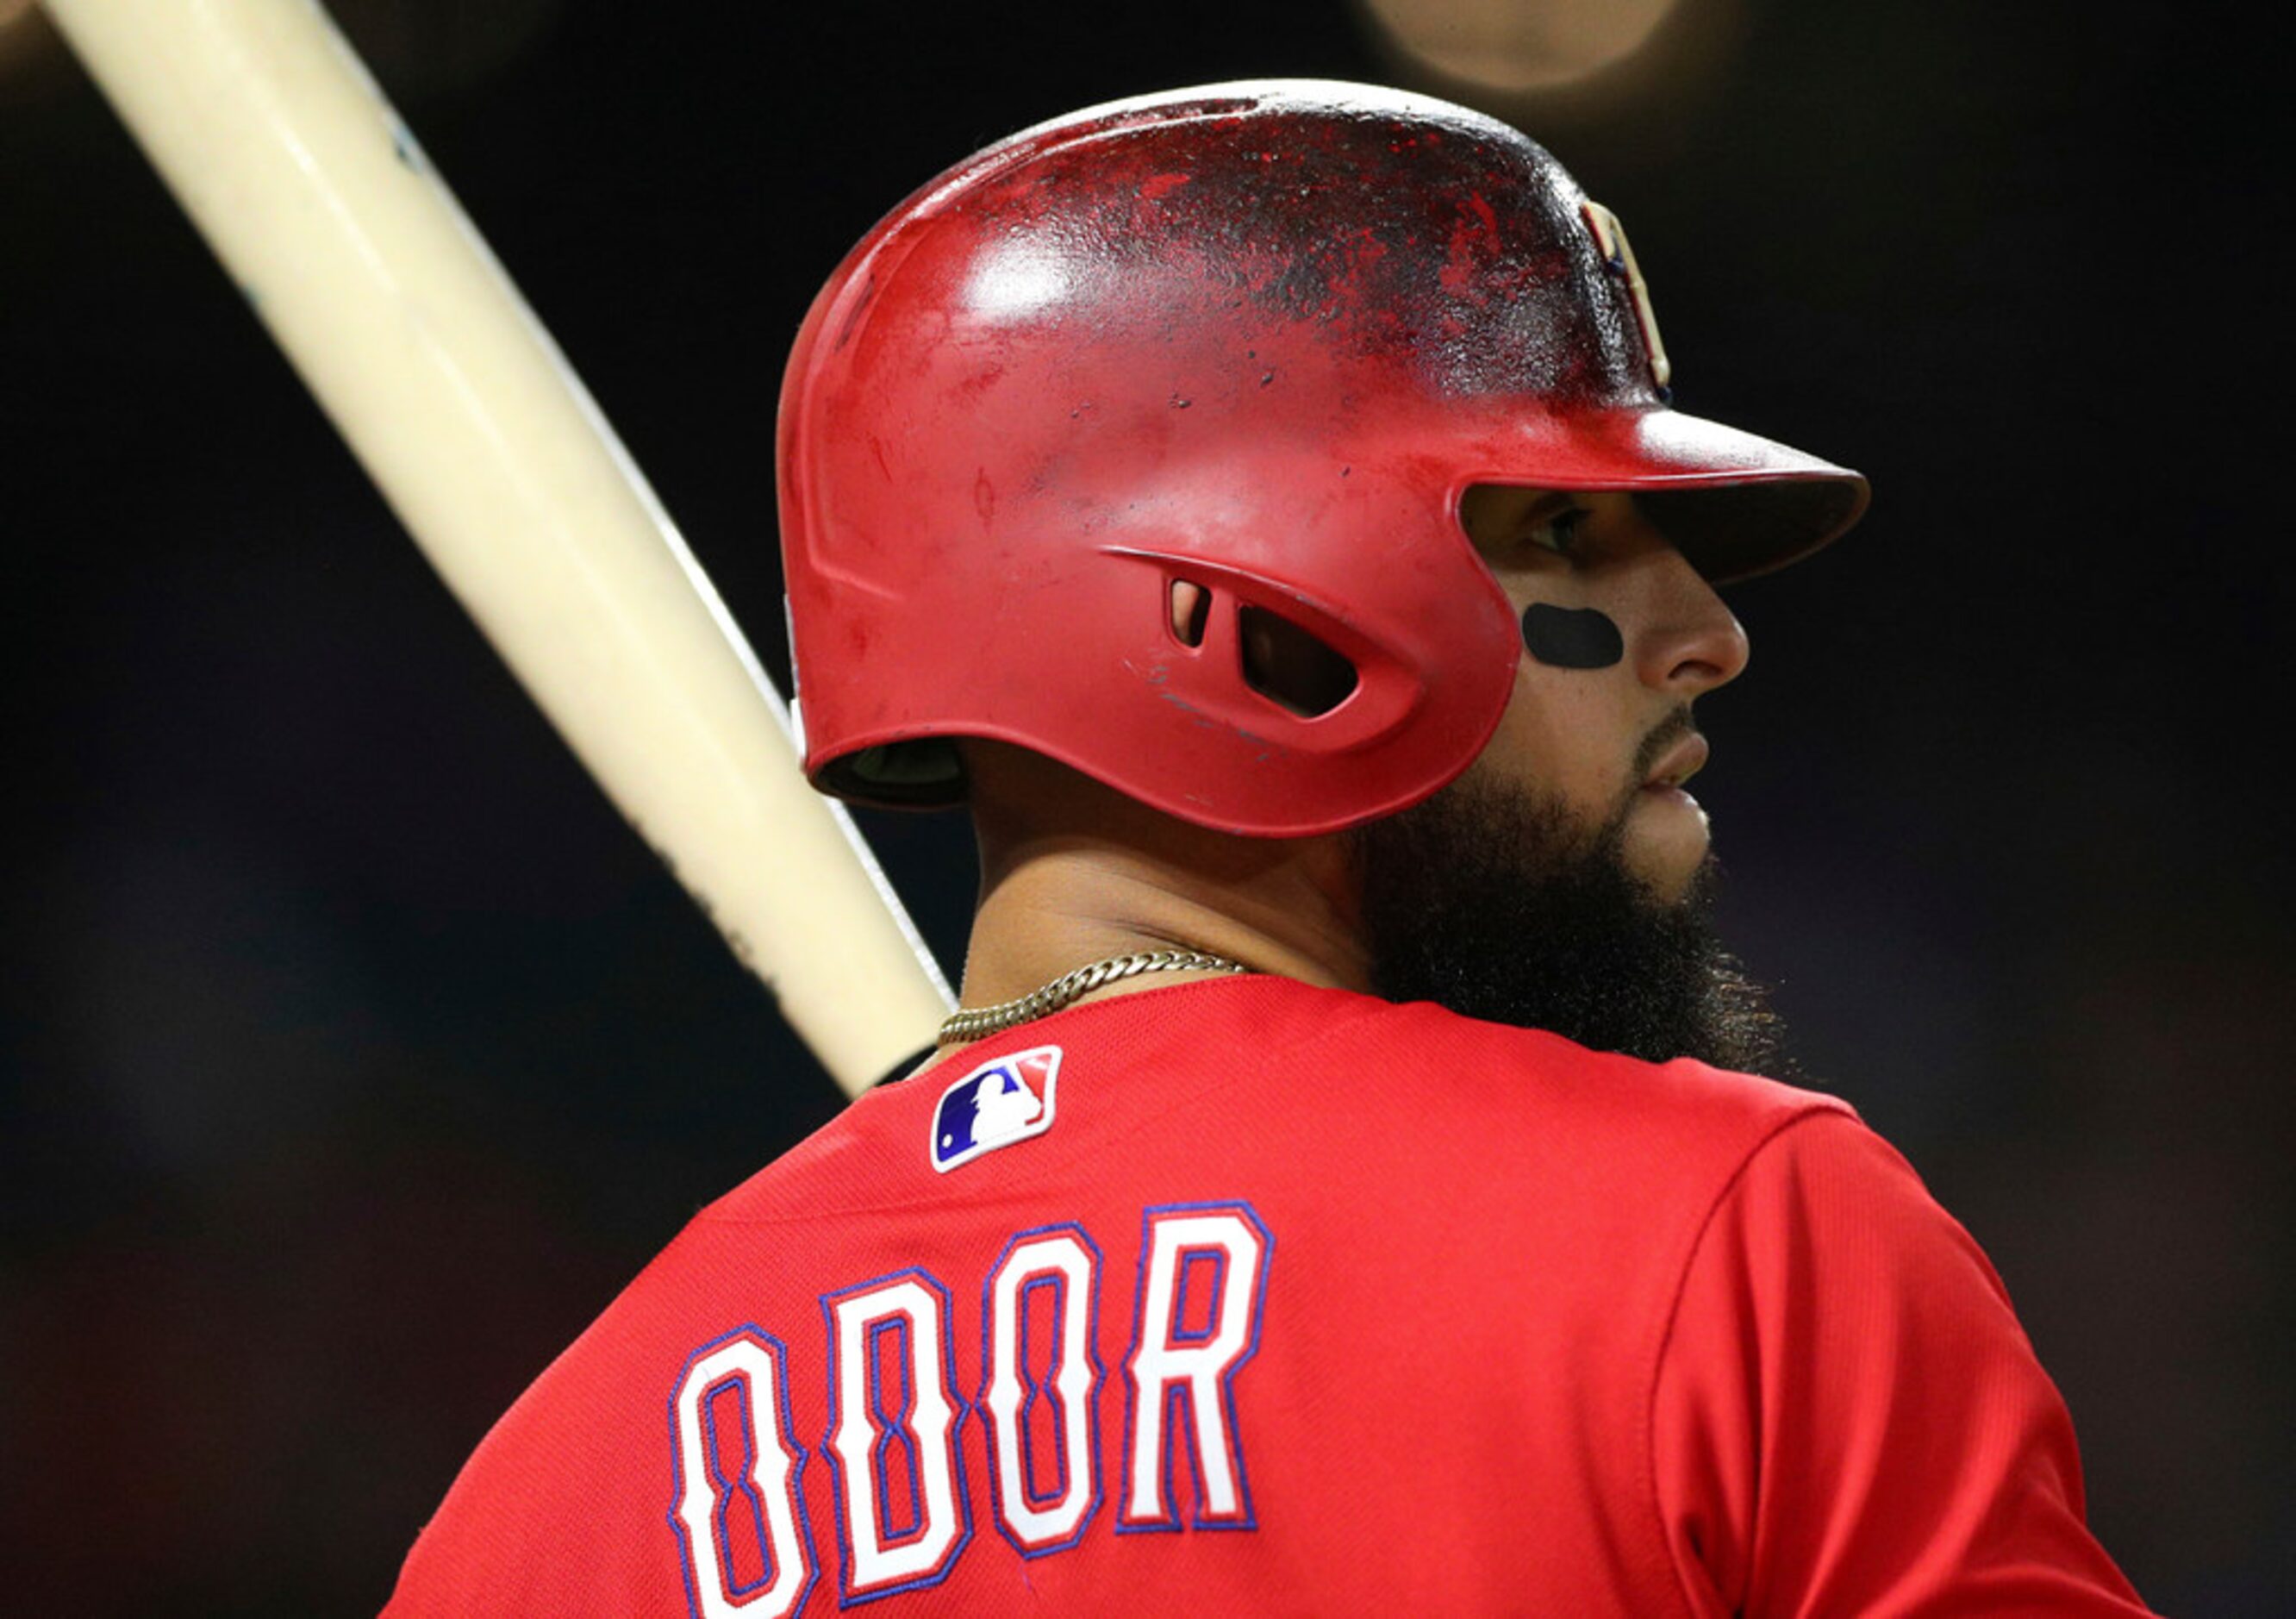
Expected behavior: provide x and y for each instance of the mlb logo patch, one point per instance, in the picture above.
(997, 1103)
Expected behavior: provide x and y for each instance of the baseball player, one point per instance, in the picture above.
(1345, 1188)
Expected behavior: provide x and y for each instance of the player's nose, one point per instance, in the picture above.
(1693, 643)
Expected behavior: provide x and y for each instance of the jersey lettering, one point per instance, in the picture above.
(739, 1517)
(1043, 1430)
(902, 1515)
(894, 1443)
(1203, 1268)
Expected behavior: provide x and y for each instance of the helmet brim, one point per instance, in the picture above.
(1736, 504)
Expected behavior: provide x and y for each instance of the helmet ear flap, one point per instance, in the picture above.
(1289, 665)
(1297, 671)
(1264, 655)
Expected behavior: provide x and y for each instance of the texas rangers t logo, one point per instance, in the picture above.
(997, 1103)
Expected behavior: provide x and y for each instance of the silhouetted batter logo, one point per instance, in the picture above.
(997, 1103)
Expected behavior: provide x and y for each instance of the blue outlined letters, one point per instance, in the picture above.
(1203, 1269)
(739, 1517)
(902, 1475)
(1042, 1427)
(902, 1517)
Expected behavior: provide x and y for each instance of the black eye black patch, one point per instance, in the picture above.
(1572, 637)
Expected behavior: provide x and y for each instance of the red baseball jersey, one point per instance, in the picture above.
(1240, 1296)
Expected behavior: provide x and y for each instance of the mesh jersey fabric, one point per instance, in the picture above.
(1530, 1329)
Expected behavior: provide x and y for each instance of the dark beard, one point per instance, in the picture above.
(1492, 904)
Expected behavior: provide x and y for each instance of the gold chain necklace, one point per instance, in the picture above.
(1072, 986)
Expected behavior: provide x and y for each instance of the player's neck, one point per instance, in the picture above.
(1061, 909)
(1078, 875)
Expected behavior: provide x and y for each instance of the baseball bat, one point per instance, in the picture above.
(281, 148)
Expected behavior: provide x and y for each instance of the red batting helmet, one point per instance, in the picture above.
(1255, 338)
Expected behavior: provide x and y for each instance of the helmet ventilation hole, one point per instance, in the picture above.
(1289, 666)
(1192, 611)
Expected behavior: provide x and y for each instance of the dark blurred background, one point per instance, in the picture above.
(356, 1053)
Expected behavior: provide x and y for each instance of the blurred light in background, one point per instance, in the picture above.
(1644, 71)
(1516, 46)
